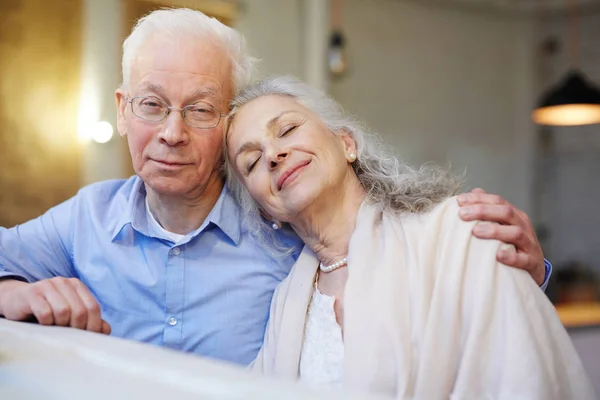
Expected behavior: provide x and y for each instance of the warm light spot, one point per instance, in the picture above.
(89, 107)
(568, 115)
(101, 132)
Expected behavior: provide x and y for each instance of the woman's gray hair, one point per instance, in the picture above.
(187, 24)
(398, 187)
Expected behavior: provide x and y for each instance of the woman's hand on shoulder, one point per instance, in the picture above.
(505, 222)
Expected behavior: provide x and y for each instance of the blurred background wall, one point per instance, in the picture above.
(570, 170)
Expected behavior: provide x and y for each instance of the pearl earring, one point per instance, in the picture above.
(276, 225)
(352, 157)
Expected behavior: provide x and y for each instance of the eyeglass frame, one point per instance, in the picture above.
(180, 110)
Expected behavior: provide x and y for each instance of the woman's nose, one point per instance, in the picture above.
(278, 159)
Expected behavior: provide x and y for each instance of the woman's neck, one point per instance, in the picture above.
(327, 225)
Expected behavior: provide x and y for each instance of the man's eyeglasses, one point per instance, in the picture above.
(198, 115)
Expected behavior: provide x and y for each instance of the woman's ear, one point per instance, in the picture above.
(275, 224)
(349, 145)
(266, 216)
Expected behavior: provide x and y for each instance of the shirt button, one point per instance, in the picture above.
(175, 251)
(172, 321)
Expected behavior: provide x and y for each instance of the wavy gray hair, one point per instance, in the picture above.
(398, 187)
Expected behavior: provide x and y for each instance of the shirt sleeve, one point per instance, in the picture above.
(40, 248)
(548, 266)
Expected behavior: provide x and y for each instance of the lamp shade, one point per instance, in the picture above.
(574, 101)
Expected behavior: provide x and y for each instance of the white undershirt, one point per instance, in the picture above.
(174, 237)
(322, 357)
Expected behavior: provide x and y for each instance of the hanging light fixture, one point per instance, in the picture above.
(574, 100)
(336, 55)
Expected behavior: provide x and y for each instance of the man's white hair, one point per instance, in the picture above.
(187, 24)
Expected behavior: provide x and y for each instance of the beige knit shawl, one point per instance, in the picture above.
(430, 314)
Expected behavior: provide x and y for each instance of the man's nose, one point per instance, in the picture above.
(174, 130)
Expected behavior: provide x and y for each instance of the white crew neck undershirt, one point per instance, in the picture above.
(174, 237)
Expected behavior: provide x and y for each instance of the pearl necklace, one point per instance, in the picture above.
(328, 268)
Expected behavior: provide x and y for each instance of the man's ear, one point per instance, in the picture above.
(121, 100)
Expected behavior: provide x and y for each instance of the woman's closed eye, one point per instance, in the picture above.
(287, 129)
(253, 164)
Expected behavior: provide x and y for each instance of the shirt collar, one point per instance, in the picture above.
(136, 196)
(225, 214)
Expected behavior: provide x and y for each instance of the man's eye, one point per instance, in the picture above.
(151, 104)
(150, 107)
(201, 110)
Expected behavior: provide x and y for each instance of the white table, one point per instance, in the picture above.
(38, 362)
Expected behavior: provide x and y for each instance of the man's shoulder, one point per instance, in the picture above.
(106, 201)
(106, 192)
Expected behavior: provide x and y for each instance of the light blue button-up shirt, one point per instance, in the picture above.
(209, 294)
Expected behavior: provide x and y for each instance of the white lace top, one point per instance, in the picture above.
(322, 357)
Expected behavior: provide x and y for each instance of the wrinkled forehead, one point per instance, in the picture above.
(255, 119)
(252, 117)
(259, 112)
(193, 57)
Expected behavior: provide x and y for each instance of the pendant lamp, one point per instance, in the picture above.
(573, 101)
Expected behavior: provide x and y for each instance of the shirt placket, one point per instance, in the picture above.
(174, 298)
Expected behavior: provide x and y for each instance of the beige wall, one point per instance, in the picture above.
(273, 30)
(445, 86)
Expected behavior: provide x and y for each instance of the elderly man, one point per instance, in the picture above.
(161, 257)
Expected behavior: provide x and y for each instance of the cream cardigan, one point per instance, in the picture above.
(430, 314)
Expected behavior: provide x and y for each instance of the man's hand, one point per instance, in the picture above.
(56, 301)
(508, 224)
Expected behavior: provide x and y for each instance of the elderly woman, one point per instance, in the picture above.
(391, 294)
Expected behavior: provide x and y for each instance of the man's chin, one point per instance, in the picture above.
(169, 185)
